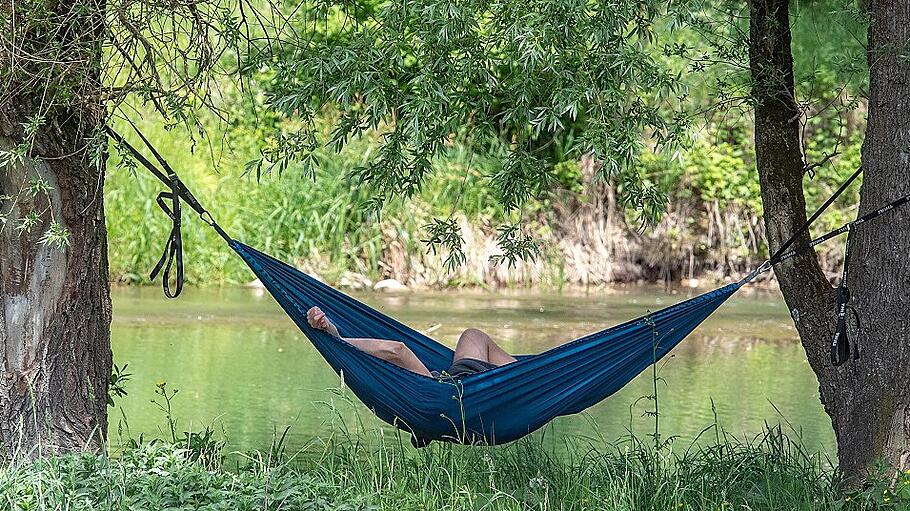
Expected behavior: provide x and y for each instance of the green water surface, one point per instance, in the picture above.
(242, 366)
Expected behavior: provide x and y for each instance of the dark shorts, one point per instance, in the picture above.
(467, 366)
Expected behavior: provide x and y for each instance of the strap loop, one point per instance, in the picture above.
(169, 202)
(173, 249)
(765, 266)
(840, 343)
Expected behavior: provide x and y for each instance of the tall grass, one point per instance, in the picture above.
(768, 472)
(713, 225)
(364, 466)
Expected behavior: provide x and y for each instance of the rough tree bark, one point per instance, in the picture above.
(881, 255)
(55, 308)
(868, 400)
(55, 311)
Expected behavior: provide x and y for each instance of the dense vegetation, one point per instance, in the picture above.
(712, 227)
(768, 472)
(542, 69)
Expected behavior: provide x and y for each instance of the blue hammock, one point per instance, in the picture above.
(495, 406)
(492, 407)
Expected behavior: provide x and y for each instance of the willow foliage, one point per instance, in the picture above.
(524, 80)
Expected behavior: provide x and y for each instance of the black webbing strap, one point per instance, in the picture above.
(846, 227)
(777, 257)
(782, 254)
(169, 202)
(840, 342)
(168, 176)
(173, 249)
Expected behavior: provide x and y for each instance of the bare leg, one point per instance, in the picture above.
(476, 344)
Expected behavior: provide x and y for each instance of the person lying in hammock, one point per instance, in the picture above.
(474, 353)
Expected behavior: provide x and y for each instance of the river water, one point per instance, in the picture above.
(242, 367)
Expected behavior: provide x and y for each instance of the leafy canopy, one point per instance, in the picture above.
(530, 83)
(75, 64)
(524, 80)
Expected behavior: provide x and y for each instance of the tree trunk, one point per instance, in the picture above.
(867, 399)
(55, 309)
(877, 414)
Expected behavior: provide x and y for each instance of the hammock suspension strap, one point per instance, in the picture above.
(776, 258)
(170, 203)
(782, 254)
(846, 227)
(840, 344)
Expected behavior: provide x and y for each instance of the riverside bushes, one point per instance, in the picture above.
(713, 228)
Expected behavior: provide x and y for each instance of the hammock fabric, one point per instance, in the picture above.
(495, 406)
(491, 407)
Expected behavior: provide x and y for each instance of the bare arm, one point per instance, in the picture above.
(391, 351)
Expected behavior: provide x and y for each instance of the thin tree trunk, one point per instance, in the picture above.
(55, 308)
(867, 400)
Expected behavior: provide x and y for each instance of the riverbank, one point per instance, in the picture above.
(712, 231)
(768, 472)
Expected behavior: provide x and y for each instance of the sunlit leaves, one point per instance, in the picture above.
(520, 178)
(29, 208)
(31, 125)
(286, 147)
(35, 187)
(127, 161)
(510, 77)
(27, 222)
(15, 156)
(56, 236)
(516, 245)
(445, 235)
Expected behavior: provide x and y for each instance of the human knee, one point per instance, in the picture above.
(473, 334)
